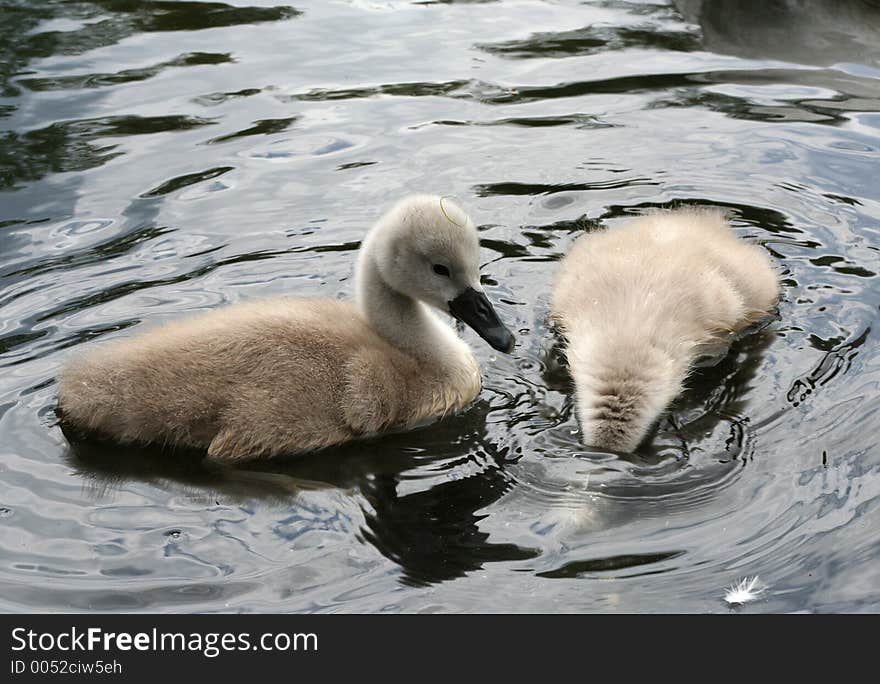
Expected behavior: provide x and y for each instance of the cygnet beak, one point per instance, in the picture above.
(472, 308)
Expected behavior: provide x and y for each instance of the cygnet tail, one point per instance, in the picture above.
(621, 391)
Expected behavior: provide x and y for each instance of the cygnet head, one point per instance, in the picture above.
(427, 248)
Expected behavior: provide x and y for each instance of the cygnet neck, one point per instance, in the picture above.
(403, 321)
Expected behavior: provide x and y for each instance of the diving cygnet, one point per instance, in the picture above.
(294, 375)
(638, 304)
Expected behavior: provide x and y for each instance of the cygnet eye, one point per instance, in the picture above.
(439, 269)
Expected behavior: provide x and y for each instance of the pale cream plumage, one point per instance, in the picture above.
(293, 375)
(637, 305)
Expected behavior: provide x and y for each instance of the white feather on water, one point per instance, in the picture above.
(745, 590)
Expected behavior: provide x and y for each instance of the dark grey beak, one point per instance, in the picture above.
(474, 309)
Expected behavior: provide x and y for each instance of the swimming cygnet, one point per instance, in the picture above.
(638, 304)
(293, 375)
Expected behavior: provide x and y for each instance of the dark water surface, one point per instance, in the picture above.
(160, 158)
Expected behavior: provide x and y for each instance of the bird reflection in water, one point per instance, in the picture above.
(432, 534)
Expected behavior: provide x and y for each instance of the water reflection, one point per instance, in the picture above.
(173, 157)
(430, 532)
(423, 507)
(820, 32)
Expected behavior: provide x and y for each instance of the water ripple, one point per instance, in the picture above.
(145, 174)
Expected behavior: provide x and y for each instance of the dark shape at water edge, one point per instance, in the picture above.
(821, 32)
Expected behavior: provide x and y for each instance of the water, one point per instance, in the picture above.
(162, 158)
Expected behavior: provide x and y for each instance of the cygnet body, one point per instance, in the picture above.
(638, 304)
(293, 375)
